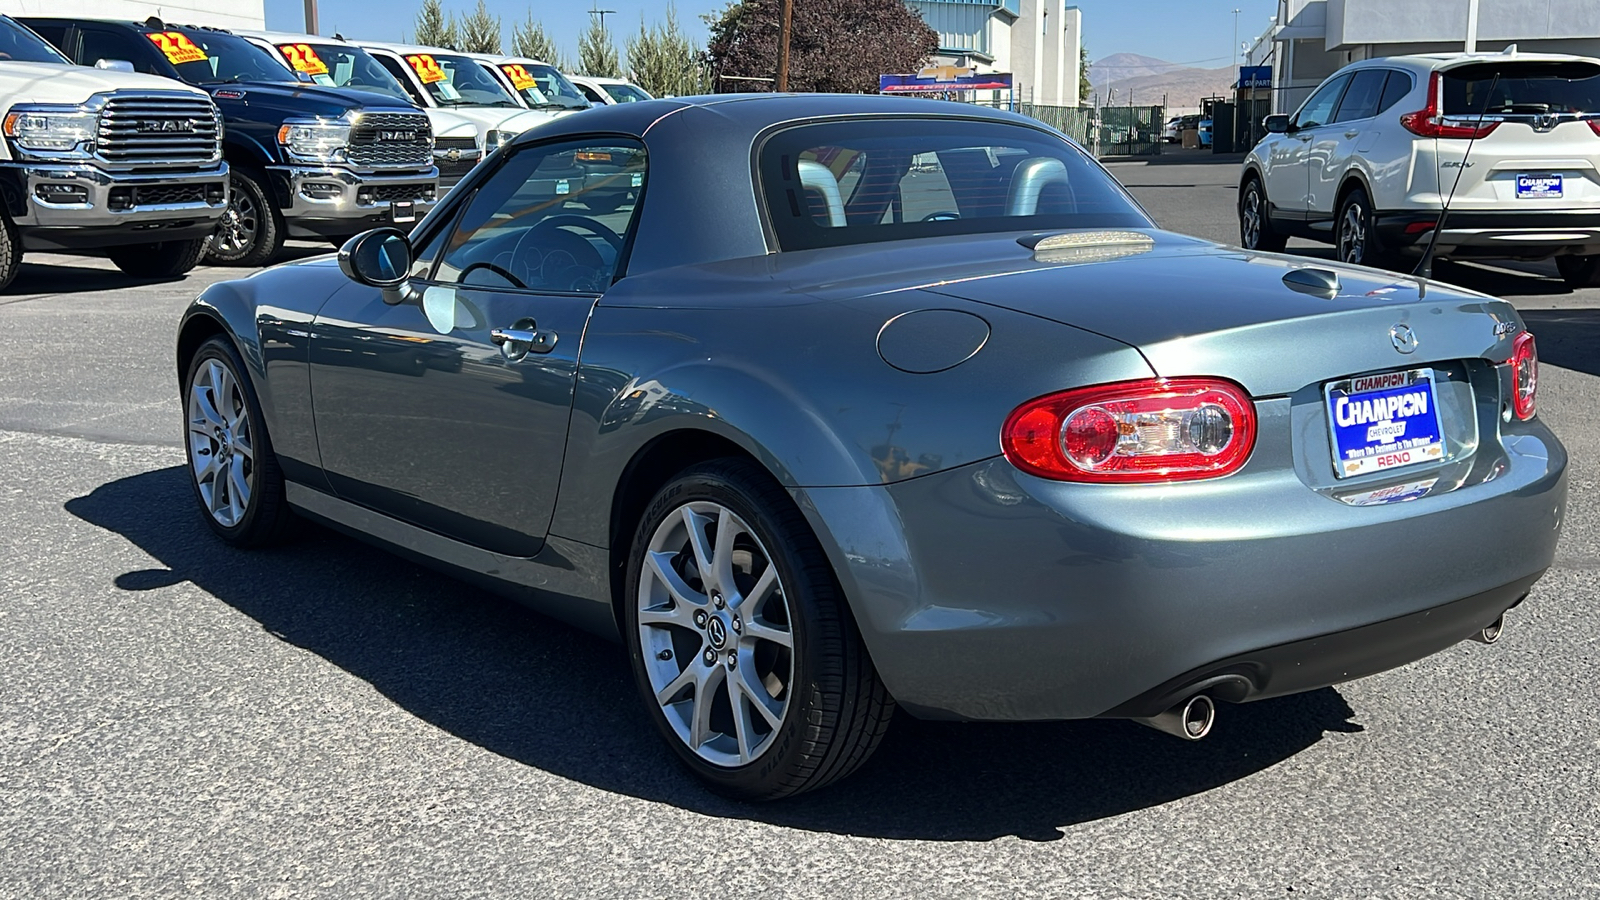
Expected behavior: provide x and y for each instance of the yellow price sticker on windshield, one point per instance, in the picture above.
(177, 47)
(520, 79)
(304, 59)
(426, 67)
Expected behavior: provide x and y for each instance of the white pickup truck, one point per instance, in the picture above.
(104, 159)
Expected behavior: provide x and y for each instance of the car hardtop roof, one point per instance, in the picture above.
(290, 36)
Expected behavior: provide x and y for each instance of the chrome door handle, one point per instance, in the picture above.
(503, 336)
(523, 338)
(1352, 134)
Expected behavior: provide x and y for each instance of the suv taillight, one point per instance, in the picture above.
(1524, 377)
(1594, 126)
(1427, 122)
(1151, 431)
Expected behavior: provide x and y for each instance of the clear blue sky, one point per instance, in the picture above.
(1199, 32)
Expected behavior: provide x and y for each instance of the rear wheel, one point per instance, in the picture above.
(1356, 237)
(1255, 228)
(742, 647)
(1579, 271)
(232, 469)
(10, 251)
(251, 231)
(164, 259)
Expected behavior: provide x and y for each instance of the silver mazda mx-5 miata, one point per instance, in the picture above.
(824, 404)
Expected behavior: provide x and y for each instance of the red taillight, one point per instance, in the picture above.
(1152, 431)
(1594, 126)
(1524, 377)
(1427, 122)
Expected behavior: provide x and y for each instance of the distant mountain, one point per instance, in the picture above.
(1149, 79)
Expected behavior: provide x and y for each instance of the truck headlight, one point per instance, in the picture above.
(315, 141)
(58, 129)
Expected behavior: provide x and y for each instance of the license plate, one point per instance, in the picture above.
(1382, 422)
(1538, 187)
(403, 211)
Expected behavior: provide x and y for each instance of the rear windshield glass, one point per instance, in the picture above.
(210, 57)
(20, 44)
(855, 182)
(1525, 88)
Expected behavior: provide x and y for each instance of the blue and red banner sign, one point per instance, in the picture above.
(943, 78)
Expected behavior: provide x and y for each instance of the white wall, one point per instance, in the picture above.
(1355, 22)
(237, 14)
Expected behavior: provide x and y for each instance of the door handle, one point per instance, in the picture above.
(1352, 134)
(521, 339)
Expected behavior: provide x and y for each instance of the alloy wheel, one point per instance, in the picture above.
(1353, 234)
(715, 633)
(237, 231)
(221, 448)
(1250, 219)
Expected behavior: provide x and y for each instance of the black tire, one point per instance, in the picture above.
(1255, 226)
(164, 259)
(1355, 237)
(251, 231)
(266, 518)
(1579, 271)
(836, 708)
(10, 252)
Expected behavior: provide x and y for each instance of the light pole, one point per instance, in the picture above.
(1236, 38)
(594, 10)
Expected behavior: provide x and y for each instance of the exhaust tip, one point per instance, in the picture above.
(1190, 720)
(1491, 632)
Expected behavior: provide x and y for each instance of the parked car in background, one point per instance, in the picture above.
(305, 161)
(813, 434)
(1510, 140)
(335, 62)
(537, 84)
(104, 159)
(609, 91)
(1204, 126)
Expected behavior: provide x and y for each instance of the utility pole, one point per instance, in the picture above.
(311, 16)
(1236, 38)
(1472, 26)
(594, 10)
(785, 24)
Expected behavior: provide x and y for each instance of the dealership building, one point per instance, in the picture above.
(231, 14)
(1309, 40)
(1037, 41)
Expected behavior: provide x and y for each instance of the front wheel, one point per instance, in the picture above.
(163, 259)
(742, 647)
(1579, 271)
(10, 251)
(1357, 237)
(1255, 227)
(251, 230)
(232, 469)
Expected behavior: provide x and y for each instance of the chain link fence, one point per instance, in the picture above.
(1106, 131)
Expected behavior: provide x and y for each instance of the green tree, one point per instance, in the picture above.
(1085, 89)
(663, 61)
(480, 32)
(597, 55)
(531, 40)
(434, 29)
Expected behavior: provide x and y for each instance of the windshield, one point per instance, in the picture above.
(340, 65)
(458, 81)
(1532, 88)
(626, 93)
(20, 44)
(212, 57)
(541, 86)
(866, 180)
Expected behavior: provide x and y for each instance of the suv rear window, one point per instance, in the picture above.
(866, 180)
(1532, 88)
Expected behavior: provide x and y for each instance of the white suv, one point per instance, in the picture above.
(1368, 160)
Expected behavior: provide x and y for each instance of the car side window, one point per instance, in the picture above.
(553, 218)
(1319, 109)
(1361, 100)
(591, 95)
(1395, 89)
(96, 45)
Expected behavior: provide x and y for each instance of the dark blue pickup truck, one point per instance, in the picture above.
(306, 161)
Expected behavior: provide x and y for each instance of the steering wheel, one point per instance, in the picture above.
(515, 281)
(585, 223)
(942, 216)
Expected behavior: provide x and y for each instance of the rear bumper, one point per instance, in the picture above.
(1500, 233)
(985, 594)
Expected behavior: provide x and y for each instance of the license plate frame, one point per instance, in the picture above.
(402, 212)
(1539, 186)
(1362, 434)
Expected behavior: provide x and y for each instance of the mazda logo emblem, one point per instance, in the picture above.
(1402, 338)
(717, 631)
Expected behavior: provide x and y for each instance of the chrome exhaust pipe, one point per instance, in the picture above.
(1491, 632)
(1191, 720)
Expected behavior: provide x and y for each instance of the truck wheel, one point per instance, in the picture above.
(251, 231)
(163, 259)
(1579, 271)
(10, 252)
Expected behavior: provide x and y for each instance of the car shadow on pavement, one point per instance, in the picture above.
(1569, 338)
(527, 688)
(52, 278)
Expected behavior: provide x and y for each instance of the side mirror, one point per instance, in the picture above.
(380, 258)
(115, 65)
(1278, 124)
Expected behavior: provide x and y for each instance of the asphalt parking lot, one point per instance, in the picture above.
(178, 719)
